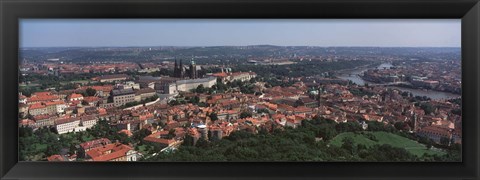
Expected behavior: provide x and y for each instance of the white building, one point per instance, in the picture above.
(129, 85)
(189, 84)
(229, 76)
(66, 125)
(75, 97)
(75, 124)
(89, 122)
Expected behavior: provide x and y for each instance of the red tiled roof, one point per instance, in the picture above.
(45, 93)
(95, 143)
(104, 88)
(127, 132)
(67, 120)
(102, 111)
(56, 157)
(302, 109)
(75, 95)
(26, 122)
(117, 151)
(220, 74)
(42, 98)
(156, 138)
(37, 106)
(54, 103)
(42, 116)
(91, 99)
(435, 130)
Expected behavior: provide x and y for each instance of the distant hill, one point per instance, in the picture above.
(79, 54)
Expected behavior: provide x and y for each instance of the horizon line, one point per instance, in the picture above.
(136, 46)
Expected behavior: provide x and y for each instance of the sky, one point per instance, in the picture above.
(240, 32)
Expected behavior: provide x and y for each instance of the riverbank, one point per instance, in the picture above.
(354, 75)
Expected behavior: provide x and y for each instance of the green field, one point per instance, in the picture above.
(386, 138)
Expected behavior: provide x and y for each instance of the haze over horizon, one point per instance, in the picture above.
(84, 33)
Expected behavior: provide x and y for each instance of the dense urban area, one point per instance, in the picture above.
(240, 103)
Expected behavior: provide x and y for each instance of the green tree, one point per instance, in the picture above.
(202, 143)
(349, 145)
(90, 92)
(194, 100)
(140, 134)
(245, 114)
(171, 134)
(188, 140)
(213, 116)
(399, 125)
(427, 107)
(200, 89)
(444, 141)
(348, 127)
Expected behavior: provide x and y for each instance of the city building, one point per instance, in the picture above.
(122, 96)
(161, 140)
(180, 71)
(75, 124)
(37, 109)
(111, 78)
(128, 85)
(149, 70)
(57, 157)
(43, 120)
(87, 146)
(66, 125)
(112, 152)
(101, 91)
(188, 84)
(55, 107)
(144, 93)
(39, 97)
(75, 97)
(227, 76)
(436, 133)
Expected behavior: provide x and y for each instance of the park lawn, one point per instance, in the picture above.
(394, 140)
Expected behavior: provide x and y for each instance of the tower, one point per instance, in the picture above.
(415, 122)
(175, 69)
(193, 70)
(179, 71)
(319, 96)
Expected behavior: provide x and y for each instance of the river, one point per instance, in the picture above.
(352, 75)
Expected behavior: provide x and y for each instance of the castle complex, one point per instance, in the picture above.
(180, 71)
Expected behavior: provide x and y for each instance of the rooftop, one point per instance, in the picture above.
(119, 92)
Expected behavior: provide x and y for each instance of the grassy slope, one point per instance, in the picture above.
(386, 138)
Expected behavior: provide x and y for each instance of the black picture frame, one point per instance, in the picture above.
(12, 10)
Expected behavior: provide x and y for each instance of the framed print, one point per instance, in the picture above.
(223, 89)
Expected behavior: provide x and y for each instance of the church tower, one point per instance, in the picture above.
(193, 70)
(175, 69)
(415, 122)
(182, 70)
(319, 96)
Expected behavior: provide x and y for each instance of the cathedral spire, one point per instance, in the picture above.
(193, 70)
(175, 69)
